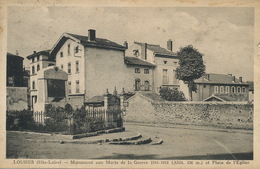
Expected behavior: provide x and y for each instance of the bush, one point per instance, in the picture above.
(171, 94)
(22, 120)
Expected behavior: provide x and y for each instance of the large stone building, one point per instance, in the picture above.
(93, 65)
(220, 87)
(165, 62)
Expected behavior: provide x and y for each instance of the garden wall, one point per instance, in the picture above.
(16, 98)
(217, 114)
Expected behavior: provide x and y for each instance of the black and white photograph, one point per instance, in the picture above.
(129, 85)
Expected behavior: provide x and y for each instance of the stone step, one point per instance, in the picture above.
(156, 141)
(142, 140)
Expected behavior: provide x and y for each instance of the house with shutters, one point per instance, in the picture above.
(165, 62)
(221, 87)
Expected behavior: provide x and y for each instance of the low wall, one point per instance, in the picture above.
(223, 115)
(16, 98)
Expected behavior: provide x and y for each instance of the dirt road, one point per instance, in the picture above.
(178, 144)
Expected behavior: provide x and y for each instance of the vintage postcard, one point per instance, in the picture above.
(129, 84)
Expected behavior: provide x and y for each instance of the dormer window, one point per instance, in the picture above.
(136, 52)
(32, 60)
(38, 58)
(61, 54)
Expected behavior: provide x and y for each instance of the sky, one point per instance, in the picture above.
(224, 35)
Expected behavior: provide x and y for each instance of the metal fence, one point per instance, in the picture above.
(39, 117)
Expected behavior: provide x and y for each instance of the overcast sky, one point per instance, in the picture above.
(223, 35)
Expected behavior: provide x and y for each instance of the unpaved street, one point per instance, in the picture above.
(178, 143)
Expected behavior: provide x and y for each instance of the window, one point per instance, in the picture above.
(165, 62)
(77, 66)
(38, 68)
(77, 86)
(233, 89)
(137, 70)
(165, 77)
(136, 52)
(174, 77)
(215, 89)
(175, 62)
(50, 64)
(238, 89)
(146, 85)
(146, 71)
(11, 80)
(61, 67)
(244, 90)
(221, 89)
(33, 70)
(33, 85)
(227, 89)
(77, 49)
(32, 60)
(38, 58)
(61, 54)
(69, 87)
(69, 68)
(137, 85)
(68, 49)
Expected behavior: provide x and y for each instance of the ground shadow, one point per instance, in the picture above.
(235, 156)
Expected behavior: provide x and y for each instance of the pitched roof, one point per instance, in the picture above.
(137, 61)
(159, 51)
(212, 78)
(148, 95)
(99, 42)
(43, 52)
(95, 99)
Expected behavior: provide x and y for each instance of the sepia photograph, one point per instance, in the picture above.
(143, 85)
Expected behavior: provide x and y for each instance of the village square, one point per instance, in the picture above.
(89, 96)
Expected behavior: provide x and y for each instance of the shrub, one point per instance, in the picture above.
(171, 94)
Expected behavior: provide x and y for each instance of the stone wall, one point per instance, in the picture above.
(223, 115)
(16, 98)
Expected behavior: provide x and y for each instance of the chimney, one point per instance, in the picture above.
(126, 44)
(145, 51)
(233, 78)
(91, 35)
(169, 44)
(34, 52)
(240, 79)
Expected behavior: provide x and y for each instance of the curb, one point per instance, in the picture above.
(103, 140)
(158, 142)
(145, 141)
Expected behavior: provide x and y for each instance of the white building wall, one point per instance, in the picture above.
(72, 58)
(170, 65)
(105, 69)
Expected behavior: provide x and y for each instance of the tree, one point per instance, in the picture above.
(171, 94)
(191, 66)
